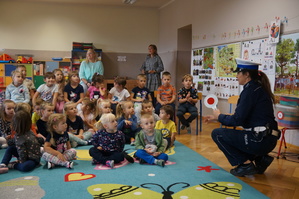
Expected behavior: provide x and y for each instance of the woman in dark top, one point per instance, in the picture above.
(247, 149)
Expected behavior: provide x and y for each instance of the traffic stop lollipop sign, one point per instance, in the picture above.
(211, 101)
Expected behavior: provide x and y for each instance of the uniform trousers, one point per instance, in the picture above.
(239, 146)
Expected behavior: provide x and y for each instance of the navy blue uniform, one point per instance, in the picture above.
(254, 109)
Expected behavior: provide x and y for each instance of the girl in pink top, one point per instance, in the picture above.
(97, 90)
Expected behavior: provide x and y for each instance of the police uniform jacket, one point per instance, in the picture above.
(254, 108)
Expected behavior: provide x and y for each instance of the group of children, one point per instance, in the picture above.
(64, 118)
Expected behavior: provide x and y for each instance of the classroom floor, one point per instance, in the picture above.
(281, 179)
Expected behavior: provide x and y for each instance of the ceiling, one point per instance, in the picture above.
(138, 3)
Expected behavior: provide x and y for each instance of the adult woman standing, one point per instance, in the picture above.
(89, 67)
(152, 67)
(254, 112)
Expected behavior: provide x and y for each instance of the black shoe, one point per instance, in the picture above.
(129, 158)
(142, 161)
(244, 169)
(262, 163)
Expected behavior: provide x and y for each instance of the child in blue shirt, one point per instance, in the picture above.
(127, 121)
(17, 91)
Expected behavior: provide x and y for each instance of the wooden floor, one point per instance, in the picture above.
(280, 181)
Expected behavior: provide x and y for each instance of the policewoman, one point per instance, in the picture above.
(248, 149)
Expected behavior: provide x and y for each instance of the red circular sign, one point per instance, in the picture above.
(280, 115)
(211, 101)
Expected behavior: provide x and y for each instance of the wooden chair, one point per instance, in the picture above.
(232, 100)
(199, 116)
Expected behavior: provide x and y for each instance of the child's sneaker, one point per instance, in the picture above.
(189, 129)
(70, 165)
(3, 170)
(50, 165)
(110, 163)
(2, 165)
(89, 142)
(129, 158)
(94, 162)
(161, 163)
(12, 164)
(4, 146)
(142, 161)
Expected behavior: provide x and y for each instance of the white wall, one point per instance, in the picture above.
(215, 17)
(52, 26)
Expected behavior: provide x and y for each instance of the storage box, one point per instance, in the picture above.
(287, 116)
(289, 101)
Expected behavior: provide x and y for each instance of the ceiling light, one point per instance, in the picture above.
(129, 1)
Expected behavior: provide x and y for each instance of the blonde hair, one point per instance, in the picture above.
(43, 107)
(146, 116)
(95, 55)
(54, 119)
(105, 118)
(187, 76)
(121, 107)
(15, 72)
(67, 105)
(101, 103)
(141, 76)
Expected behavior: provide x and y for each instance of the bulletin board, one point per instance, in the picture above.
(287, 66)
(212, 66)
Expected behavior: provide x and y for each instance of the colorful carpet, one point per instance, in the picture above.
(187, 175)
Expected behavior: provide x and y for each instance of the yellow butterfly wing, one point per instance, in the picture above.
(119, 191)
(215, 190)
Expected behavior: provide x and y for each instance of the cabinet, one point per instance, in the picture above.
(5, 73)
(79, 53)
(41, 67)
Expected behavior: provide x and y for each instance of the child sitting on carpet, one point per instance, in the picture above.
(46, 109)
(147, 107)
(88, 114)
(7, 112)
(57, 147)
(166, 125)
(149, 142)
(108, 143)
(127, 121)
(75, 126)
(103, 106)
(26, 148)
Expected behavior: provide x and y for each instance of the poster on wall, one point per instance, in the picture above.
(225, 59)
(203, 70)
(260, 51)
(287, 66)
(274, 32)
